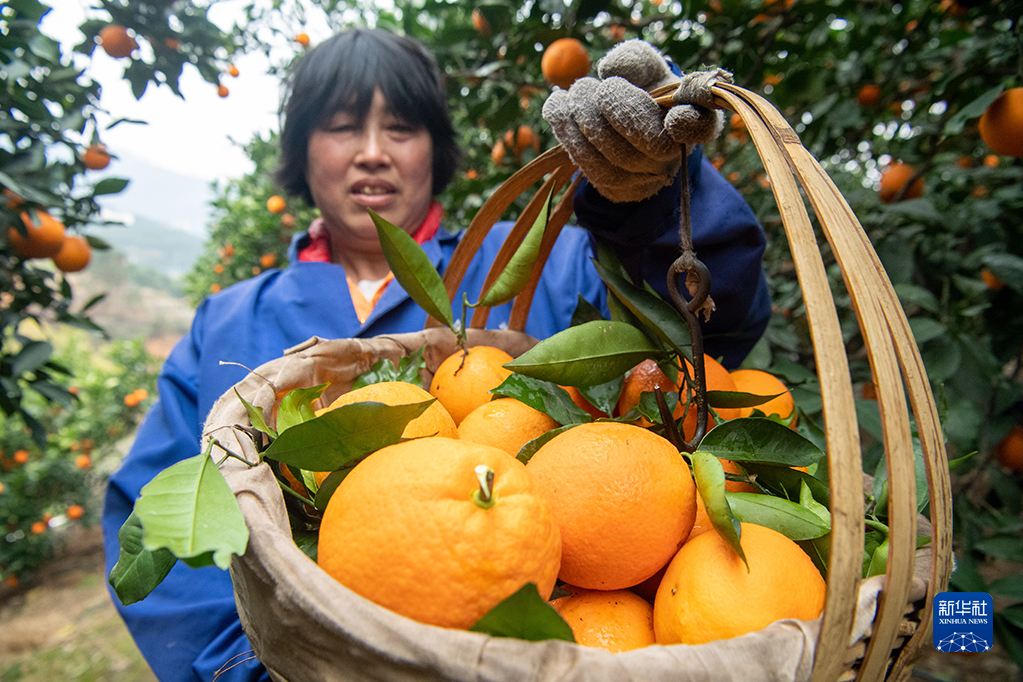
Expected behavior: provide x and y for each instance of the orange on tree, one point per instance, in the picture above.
(759, 382)
(302, 39)
(45, 235)
(463, 381)
(1009, 450)
(233, 71)
(894, 177)
(623, 497)
(518, 141)
(991, 161)
(276, 204)
(480, 23)
(74, 254)
(991, 280)
(21, 456)
(498, 152)
(708, 593)
(417, 528)
(505, 423)
(222, 91)
(83, 461)
(75, 512)
(565, 61)
(268, 260)
(96, 157)
(116, 41)
(1001, 124)
(869, 95)
(616, 620)
(737, 127)
(39, 527)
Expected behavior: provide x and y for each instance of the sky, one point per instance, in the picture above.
(191, 136)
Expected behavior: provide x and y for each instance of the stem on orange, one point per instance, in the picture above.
(484, 497)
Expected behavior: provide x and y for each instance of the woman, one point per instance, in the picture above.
(365, 125)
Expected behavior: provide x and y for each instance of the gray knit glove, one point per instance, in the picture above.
(626, 144)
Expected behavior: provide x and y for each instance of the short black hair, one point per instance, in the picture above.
(341, 74)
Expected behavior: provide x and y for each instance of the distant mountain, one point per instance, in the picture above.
(174, 200)
(148, 244)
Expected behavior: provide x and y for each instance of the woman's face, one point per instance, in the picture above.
(384, 164)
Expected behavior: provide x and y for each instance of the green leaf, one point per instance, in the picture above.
(189, 509)
(256, 416)
(544, 396)
(329, 485)
(297, 406)
(584, 312)
(529, 449)
(757, 439)
(954, 126)
(109, 186)
(1010, 586)
(878, 560)
(343, 434)
(31, 357)
(736, 399)
(1008, 268)
(414, 271)
(710, 482)
(516, 274)
(604, 396)
(1002, 546)
(138, 571)
(524, 615)
(407, 370)
(592, 353)
(653, 312)
(785, 481)
(788, 518)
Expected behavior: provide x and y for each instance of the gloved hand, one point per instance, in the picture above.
(626, 144)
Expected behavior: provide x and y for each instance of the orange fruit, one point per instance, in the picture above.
(96, 157)
(75, 511)
(404, 530)
(480, 23)
(702, 523)
(222, 91)
(708, 594)
(21, 456)
(647, 375)
(464, 380)
(75, 253)
(39, 527)
(268, 260)
(991, 280)
(895, 177)
(992, 161)
(1001, 124)
(497, 153)
(435, 421)
(565, 61)
(623, 497)
(44, 239)
(1010, 449)
(233, 71)
(83, 461)
(520, 140)
(616, 620)
(505, 423)
(302, 39)
(116, 42)
(759, 382)
(868, 95)
(131, 400)
(577, 397)
(276, 204)
(737, 127)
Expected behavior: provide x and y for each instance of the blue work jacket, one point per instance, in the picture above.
(188, 628)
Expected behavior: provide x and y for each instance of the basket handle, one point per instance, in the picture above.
(554, 161)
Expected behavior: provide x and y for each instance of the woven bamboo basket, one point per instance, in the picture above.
(901, 622)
